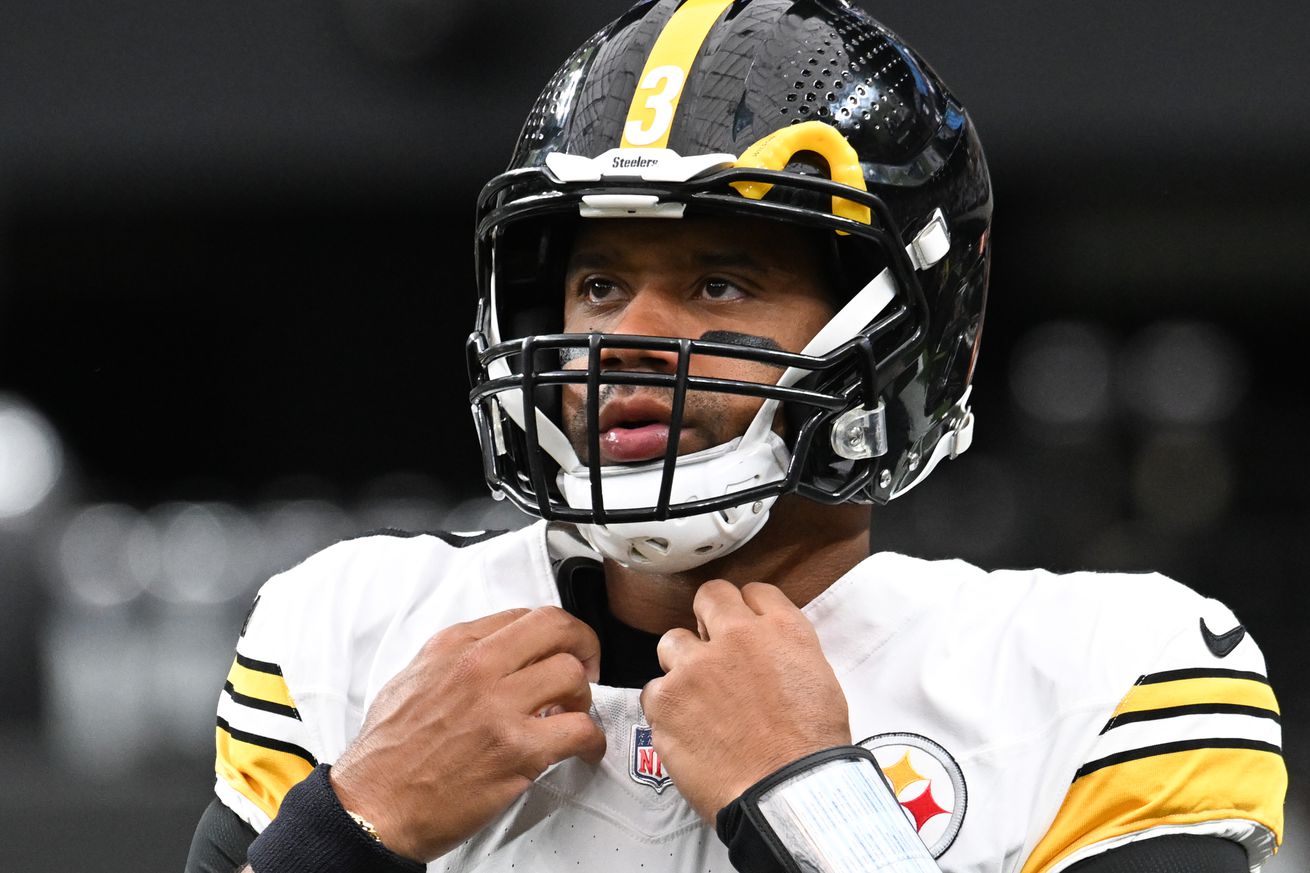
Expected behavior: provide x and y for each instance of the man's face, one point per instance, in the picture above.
(744, 281)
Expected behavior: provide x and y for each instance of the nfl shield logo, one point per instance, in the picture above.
(644, 762)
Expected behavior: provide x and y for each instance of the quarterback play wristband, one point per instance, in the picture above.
(313, 833)
(830, 812)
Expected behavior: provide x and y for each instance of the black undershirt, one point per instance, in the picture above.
(627, 655)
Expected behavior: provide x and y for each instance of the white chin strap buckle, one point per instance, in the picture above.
(931, 243)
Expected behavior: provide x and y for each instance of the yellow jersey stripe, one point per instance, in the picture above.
(655, 102)
(262, 705)
(263, 770)
(1184, 692)
(255, 683)
(1177, 788)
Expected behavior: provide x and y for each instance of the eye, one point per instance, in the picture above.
(721, 289)
(598, 290)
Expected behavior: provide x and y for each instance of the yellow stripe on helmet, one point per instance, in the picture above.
(650, 117)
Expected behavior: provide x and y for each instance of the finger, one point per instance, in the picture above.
(567, 735)
(674, 647)
(479, 628)
(649, 696)
(557, 681)
(762, 597)
(718, 604)
(540, 634)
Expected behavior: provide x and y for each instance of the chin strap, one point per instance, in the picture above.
(678, 544)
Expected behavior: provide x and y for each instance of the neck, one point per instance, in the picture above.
(803, 549)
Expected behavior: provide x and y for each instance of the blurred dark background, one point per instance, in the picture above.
(235, 281)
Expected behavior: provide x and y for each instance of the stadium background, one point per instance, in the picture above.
(235, 280)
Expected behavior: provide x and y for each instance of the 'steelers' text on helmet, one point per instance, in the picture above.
(805, 112)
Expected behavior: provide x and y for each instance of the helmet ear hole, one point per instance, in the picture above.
(658, 548)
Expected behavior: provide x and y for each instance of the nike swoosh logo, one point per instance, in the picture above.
(1221, 644)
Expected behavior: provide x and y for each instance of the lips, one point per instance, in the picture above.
(634, 429)
(625, 445)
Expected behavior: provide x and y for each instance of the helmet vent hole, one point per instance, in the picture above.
(703, 550)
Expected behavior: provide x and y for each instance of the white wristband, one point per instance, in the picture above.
(841, 817)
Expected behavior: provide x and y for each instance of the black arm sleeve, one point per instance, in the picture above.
(220, 842)
(1179, 853)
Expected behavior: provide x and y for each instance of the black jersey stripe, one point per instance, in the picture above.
(267, 742)
(1201, 673)
(459, 541)
(259, 666)
(1169, 748)
(259, 703)
(1190, 709)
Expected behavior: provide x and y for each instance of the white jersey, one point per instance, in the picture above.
(1026, 720)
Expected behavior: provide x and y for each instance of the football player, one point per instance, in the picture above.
(730, 296)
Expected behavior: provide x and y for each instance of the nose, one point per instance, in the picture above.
(647, 313)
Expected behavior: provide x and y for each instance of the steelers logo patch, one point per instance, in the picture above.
(927, 782)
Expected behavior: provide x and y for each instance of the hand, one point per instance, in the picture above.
(750, 694)
(482, 710)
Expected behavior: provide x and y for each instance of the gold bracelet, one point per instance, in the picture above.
(365, 825)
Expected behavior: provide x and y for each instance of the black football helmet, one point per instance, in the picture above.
(802, 111)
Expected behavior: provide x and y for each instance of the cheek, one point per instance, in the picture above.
(573, 399)
(804, 323)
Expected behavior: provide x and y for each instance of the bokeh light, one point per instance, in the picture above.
(107, 555)
(296, 529)
(1183, 372)
(31, 458)
(1060, 373)
(209, 553)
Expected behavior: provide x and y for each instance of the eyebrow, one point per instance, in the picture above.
(597, 259)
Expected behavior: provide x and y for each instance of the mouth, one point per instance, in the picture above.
(634, 429)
